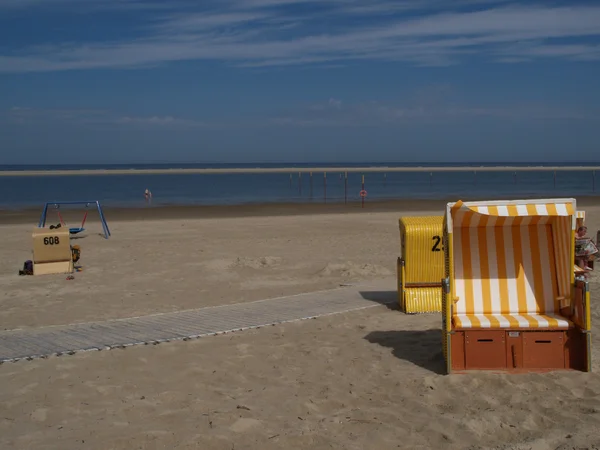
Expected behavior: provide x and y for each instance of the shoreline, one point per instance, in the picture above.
(23, 216)
(259, 170)
(168, 212)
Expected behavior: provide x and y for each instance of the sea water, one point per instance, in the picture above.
(218, 189)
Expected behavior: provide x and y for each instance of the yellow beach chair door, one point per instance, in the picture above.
(581, 306)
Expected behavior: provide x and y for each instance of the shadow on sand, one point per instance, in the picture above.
(420, 347)
(387, 298)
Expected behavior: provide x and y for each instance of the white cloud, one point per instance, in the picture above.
(335, 113)
(429, 104)
(25, 113)
(262, 33)
(334, 103)
(91, 5)
(29, 115)
(161, 121)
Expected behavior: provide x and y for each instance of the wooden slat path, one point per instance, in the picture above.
(182, 325)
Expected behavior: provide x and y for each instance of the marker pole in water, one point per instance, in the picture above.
(515, 178)
(385, 180)
(363, 189)
(300, 183)
(290, 181)
(325, 186)
(555, 179)
(311, 186)
(593, 181)
(345, 188)
(430, 179)
(475, 177)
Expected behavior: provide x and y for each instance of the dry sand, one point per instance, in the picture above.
(319, 170)
(367, 379)
(173, 264)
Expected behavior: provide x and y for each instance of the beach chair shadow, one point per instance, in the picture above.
(420, 347)
(387, 298)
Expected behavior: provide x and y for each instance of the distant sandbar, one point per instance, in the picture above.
(265, 170)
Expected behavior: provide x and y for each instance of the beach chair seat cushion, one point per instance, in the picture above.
(552, 321)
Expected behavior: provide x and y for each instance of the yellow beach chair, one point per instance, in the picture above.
(511, 301)
(420, 267)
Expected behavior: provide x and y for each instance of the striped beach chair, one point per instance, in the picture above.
(511, 300)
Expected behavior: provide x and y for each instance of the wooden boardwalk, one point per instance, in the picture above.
(183, 325)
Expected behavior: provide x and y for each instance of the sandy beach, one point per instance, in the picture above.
(365, 379)
(263, 170)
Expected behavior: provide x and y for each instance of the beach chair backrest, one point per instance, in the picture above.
(422, 248)
(511, 257)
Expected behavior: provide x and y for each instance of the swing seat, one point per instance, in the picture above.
(75, 230)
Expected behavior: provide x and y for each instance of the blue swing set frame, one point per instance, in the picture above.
(56, 205)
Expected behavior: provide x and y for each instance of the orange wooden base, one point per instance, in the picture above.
(518, 350)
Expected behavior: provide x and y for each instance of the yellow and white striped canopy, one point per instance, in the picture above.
(511, 257)
(467, 214)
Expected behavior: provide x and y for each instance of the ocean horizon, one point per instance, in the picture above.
(124, 190)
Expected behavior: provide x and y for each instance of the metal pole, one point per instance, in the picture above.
(515, 178)
(42, 222)
(346, 188)
(103, 220)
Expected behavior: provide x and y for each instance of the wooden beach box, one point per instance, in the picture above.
(420, 267)
(52, 251)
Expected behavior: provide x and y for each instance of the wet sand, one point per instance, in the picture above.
(162, 212)
(176, 212)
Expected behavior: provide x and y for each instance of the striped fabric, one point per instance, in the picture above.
(511, 321)
(511, 263)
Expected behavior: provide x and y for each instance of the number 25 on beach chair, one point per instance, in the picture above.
(420, 266)
(510, 300)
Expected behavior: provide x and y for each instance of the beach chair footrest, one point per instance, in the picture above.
(518, 350)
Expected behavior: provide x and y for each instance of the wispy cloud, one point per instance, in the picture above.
(162, 122)
(334, 112)
(91, 5)
(25, 114)
(28, 115)
(261, 33)
(429, 104)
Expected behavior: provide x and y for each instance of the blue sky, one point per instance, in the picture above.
(87, 81)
